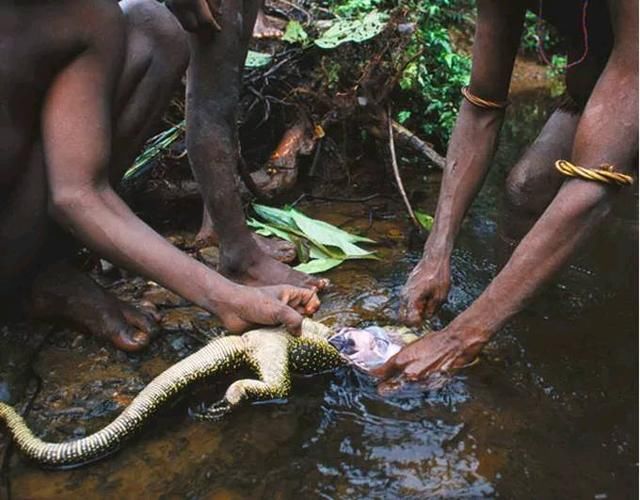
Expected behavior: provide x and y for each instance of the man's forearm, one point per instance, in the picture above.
(472, 146)
(577, 209)
(102, 221)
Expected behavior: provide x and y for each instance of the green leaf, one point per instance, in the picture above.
(257, 59)
(318, 265)
(289, 233)
(302, 250)
(275, 215)
(295, 33)
(328, 235)
(425, 220)
(320, 246)
(267, 230)
(340, 233)
(356, 30)
(403, 116)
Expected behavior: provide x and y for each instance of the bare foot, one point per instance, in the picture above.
(267, 27)
(255, 268)
(280, 250)
(64, 293)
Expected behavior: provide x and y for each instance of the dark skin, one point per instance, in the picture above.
(92, 77)
(605, 132)
(213, 91)
(203, 18)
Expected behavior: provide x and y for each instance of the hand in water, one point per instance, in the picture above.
(426, 290)
(196, 15)
(453, 347)
(249, 307)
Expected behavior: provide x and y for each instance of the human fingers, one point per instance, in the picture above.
(412, 307)
(291, 319)
(304, 298)
(205, 17)
(387, 370)
(433, 302)
(215, 9)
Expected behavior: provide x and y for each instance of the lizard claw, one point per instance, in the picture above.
(212, 413)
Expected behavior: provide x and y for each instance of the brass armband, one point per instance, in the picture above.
(605, 174)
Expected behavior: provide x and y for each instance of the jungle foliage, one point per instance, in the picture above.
(429, 88)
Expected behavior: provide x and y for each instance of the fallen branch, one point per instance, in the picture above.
(396, 170)
(409, 139)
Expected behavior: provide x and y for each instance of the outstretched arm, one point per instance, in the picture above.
(607, 134)
(471, 149)
(76, 130)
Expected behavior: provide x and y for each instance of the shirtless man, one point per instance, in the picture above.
(604, 83)
(81, 83)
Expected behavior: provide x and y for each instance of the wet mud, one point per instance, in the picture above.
(549, 412)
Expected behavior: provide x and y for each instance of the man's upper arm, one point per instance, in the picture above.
(77, 110)
(496, 42)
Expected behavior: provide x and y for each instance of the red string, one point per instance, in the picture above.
(585, 36)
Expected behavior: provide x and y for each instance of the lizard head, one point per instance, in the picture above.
(368, 347)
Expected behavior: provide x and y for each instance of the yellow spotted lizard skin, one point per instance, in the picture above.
(271, 353)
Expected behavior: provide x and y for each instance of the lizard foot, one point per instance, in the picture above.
(211, 413)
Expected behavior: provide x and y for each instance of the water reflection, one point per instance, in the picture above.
(408, 446)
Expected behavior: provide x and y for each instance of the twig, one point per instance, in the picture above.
(306, 196)
(410, 139)
(396, 170)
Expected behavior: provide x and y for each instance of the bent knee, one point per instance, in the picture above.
(158, 37)
(526, 193)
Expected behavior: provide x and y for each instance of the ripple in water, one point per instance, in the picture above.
(409, 445)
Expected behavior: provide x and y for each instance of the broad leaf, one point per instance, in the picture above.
(266, 230)
(328, 235)
(257, 59)
(318, 265)
(275, 215)
(425, 220)
(295, 33)
(341, 233)
(355, 30)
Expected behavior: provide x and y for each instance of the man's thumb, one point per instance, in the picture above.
(291, 319)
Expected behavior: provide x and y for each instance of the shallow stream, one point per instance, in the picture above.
(551, 411)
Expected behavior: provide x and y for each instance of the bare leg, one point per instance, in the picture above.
(156, 56)
(533, 182)
(213, 91)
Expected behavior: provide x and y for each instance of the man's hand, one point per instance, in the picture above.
(453, 347)
(196, 15)
(273, 305)
(426, 290)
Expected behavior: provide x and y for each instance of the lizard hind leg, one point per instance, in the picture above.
(239, 392)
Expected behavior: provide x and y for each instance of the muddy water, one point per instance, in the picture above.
(550, 412)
